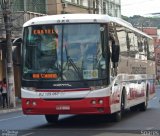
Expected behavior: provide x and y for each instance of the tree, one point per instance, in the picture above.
(6, 11)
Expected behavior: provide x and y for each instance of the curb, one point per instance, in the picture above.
(2, 111)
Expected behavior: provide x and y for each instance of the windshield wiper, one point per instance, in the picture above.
(77, 70)
(53, 70)
(75, 67)
(70, 61)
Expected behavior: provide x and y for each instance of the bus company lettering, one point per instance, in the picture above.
(138, 70)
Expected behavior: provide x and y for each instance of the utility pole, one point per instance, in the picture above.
(6, 11)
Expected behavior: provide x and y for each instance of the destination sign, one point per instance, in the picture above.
(43, 31)
(47, 76)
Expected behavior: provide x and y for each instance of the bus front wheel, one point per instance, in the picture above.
(118, 115)
(52, 118)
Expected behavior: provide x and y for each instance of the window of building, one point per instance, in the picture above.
(117, 1)
(38, 6)
(104, 8)
(78, 2)
(73, 1)
(67, 0)
(18, 5)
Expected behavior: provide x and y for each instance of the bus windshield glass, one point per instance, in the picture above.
(69, 52)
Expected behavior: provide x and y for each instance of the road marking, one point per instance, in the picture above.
(12, 118)
(28, 134)
(155, 98)
(150, 128)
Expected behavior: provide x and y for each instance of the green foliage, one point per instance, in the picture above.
(139, 21)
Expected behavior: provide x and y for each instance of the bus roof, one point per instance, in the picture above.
(68, 18)
(128, 25)
(81, 18)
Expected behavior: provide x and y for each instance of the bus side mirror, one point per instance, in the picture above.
(16, 51)
(17, 41)
(115, 53)
(115, 84)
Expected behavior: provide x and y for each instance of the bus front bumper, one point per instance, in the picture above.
(37, 106)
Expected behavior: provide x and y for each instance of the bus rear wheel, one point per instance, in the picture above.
(52, 118)
(143, 106)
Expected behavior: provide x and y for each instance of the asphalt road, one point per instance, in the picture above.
(133, 123)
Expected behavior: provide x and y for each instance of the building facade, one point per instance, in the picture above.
(154, 33)
(110, 7)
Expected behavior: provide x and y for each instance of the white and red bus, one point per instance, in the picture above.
(85, 64)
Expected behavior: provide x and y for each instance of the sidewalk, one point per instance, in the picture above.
(7, 110)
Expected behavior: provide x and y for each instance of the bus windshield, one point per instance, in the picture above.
(69, 52)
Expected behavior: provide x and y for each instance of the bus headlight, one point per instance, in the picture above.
(27, 102)
(34, 103)
(93, 102)
(100, 101)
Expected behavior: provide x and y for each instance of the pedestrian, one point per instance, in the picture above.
(4, 94)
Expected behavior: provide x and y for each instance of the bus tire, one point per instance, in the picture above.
(52, 118)
(143, 106)
(134, 108)
(118, 115)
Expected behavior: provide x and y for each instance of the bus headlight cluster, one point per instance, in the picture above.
(100, 101)
(28, 102)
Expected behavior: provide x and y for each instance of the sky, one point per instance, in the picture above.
(139, 7)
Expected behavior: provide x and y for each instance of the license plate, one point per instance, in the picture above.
(62, 107)
(51, 94)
